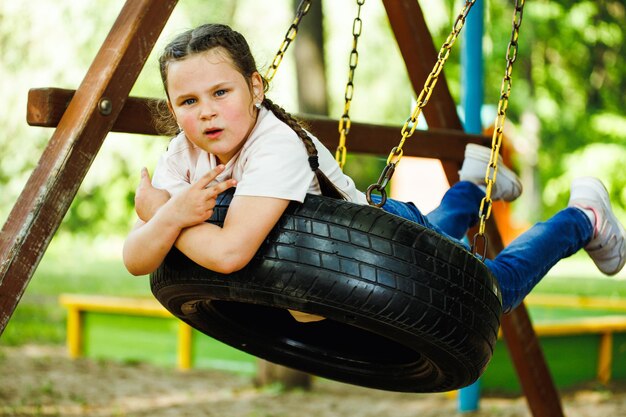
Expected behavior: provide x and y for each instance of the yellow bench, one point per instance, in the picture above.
(604, 326)
(78, 305)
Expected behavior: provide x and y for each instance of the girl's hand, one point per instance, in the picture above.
(195, 205)
(147, 198)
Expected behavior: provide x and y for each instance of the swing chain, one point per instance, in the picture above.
(303, 9)
(344, 121)
(383, 180)
(411, 123)
(496, 139)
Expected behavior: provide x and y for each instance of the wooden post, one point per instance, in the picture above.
(74, 145)
(537, 383)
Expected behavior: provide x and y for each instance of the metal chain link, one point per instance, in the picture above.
(344, 122)
(496, 139)
(303, 9)
(411, 123)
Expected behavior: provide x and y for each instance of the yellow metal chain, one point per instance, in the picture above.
(303, 9)
(344, 122)
(496, 139)
(411, 123)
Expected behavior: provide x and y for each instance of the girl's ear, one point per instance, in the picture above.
(258, 92)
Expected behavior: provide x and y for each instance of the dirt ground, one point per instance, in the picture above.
(42, 381)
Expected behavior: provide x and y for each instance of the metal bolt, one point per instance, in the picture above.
(105, 106)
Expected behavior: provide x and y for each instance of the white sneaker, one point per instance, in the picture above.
(607, 247)
(507, 186)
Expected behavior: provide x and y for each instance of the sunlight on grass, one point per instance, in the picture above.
(83, 265)
(70, 265)
(579, 276)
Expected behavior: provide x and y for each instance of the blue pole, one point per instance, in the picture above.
(472, 81)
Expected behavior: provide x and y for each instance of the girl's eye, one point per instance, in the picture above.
(220, 93)
(188, 101)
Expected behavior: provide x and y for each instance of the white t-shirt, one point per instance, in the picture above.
(273, 162)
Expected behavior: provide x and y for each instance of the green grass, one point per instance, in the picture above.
(578, 275)
(83, 266)
(133, 339)
(130, 338)
(94, 266)
(70, 265)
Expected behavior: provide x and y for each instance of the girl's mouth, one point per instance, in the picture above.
(213, 133)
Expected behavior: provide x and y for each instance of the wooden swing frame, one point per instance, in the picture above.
(101, 104)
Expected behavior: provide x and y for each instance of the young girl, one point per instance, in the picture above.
(231, 134)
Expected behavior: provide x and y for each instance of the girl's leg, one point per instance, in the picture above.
(409, 211)
(526, 260)
(459, 207)
(458, 210)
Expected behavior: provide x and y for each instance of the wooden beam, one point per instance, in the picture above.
(419, 54)
(47, 105)
(89, 117)
(444, 144)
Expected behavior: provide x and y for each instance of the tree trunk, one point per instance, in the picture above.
(313, 99)
(310, 67)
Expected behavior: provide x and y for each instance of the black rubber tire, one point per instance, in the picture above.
(408, 310)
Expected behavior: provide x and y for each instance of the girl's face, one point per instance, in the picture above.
(213, 102)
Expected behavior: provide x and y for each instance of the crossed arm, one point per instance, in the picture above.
(180, 221)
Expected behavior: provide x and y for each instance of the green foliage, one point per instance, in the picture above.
(105, 201)
(364, 169)
(605, 160)
(570, 72)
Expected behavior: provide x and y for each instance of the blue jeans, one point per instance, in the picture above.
(526, 260)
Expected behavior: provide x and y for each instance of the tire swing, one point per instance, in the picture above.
(405, 308)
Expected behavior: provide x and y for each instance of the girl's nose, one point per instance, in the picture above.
(207, 111)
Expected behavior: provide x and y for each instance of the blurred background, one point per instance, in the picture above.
(566, 116)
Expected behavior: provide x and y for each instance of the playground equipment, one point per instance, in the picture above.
(98, 103)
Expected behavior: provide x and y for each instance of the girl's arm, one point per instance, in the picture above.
(150, 241)
(229, 248)
(148, 199)
(147, 244)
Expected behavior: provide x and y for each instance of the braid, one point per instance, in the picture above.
(326, 186)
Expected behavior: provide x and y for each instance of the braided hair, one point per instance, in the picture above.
(209, 36)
